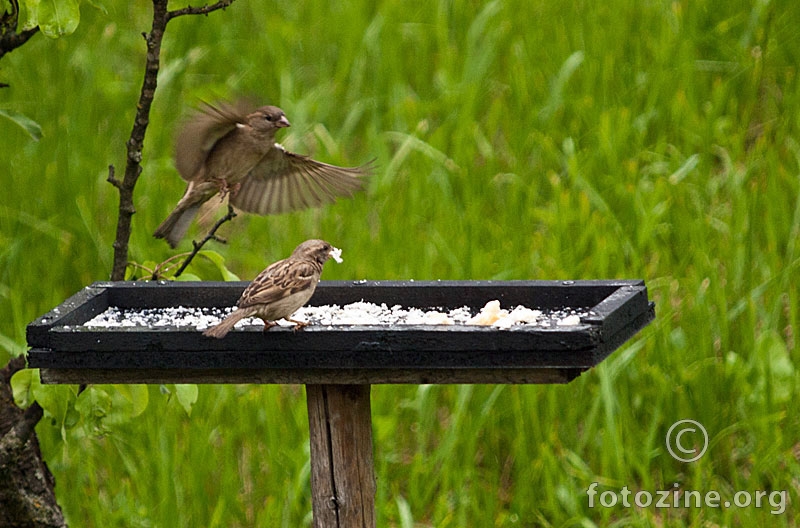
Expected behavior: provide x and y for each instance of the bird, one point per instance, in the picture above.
(230, 150)
(281, 289)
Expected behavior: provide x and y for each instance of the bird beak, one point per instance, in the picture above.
(283, 122)
(336, 254)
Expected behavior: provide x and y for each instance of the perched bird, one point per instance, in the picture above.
(230, 149)
(282, 288)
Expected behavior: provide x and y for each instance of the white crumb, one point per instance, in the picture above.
(570, 320)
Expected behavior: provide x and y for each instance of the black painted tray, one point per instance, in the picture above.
(68, 352)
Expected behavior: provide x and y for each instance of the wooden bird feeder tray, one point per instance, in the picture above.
(339, 363)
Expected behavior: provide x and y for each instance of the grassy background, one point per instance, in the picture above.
(516, 140)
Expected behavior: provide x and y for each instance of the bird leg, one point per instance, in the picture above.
(268, 325)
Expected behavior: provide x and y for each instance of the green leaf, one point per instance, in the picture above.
(72, 416)
(27, 124)
(58, 17)
(28, 14)
(95, 406)
(58, 402)
(99, 6)
(208, 265)
(188, 277)
(94, 403)
(219, 262)
(54, 399)
(22, 386)
(137, 395)
(187, 396)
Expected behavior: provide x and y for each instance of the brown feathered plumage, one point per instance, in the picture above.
(281, 289)
(231, 149)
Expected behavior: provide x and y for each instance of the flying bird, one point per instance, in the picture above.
(229, 149)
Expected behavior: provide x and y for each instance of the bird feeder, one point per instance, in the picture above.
(339, 362)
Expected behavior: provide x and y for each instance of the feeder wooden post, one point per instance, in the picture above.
(342, 472)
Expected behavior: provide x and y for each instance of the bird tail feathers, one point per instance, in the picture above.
(222, 329)
(174, 228)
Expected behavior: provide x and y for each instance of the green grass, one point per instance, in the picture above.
(516, 140)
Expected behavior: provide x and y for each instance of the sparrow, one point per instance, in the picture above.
(230, 150)
(281, 289)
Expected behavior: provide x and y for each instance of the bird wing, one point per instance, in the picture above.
(202, 131)
(283, 181)
(280, 280)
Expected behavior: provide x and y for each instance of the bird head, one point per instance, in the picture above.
(266, 120)
(318, 250)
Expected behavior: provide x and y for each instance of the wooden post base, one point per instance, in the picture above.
(342, 471)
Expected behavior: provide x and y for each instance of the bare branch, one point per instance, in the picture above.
(162, 268)
(189, 10)
(211, 235)
(11, 41)
(133, 168)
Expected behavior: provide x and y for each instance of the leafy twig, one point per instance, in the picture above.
(133, 168)
(211, 235)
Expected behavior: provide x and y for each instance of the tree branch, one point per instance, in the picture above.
(112, 178)
(26, 485)
(211, 235)
(189, 10)
(133, 168)
(14, 440)
(10, 39)
(162, 268)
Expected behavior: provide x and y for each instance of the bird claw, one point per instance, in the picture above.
(298, 325)
(225, 189)
(268, 325)
(222, 183)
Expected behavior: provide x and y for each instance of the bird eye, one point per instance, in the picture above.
(268, 117)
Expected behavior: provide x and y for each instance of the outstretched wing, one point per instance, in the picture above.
(284, 181)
